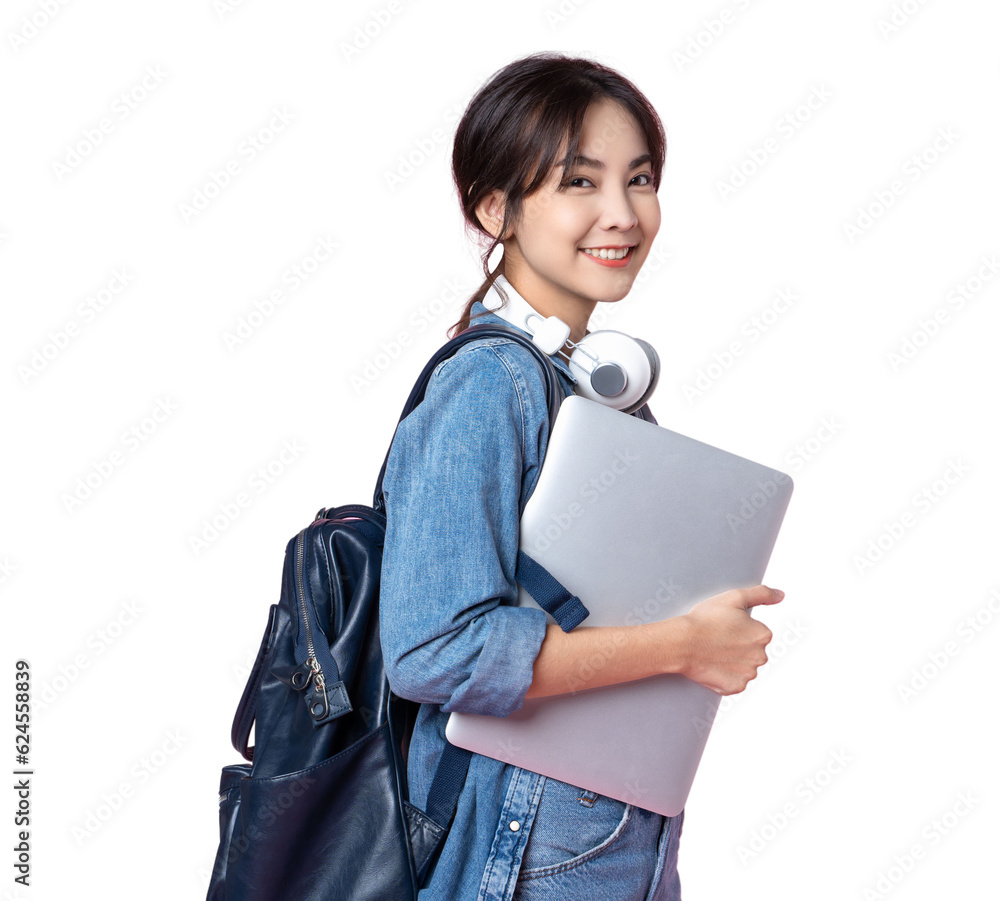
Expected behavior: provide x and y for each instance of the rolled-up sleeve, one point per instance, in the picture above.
(450, 628)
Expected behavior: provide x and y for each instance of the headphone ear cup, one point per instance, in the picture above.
(654, 374)
(636, 359)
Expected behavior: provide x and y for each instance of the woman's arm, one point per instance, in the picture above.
(451, 631)
(716, 643)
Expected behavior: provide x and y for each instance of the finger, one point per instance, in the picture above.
(761, 594)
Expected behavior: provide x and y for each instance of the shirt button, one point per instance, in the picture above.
(514, 825)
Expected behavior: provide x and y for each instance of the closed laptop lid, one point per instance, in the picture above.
(641, 523)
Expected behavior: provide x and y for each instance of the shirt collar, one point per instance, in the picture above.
(490, 318)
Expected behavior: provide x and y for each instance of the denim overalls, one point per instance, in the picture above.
(454, 639)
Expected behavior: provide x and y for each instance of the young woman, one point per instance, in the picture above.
(555, 158)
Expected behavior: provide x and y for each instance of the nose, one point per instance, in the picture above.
(617, 210)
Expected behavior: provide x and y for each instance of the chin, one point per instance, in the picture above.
(621, 290)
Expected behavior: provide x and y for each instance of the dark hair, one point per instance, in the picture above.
(510, 134)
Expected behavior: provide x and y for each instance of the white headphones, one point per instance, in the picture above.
(610, 367)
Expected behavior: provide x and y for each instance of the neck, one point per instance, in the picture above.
(574, 311)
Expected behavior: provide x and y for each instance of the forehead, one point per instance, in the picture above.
(609, 137)
(610, 132)
(605, 111)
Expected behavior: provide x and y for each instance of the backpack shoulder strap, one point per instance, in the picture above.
(552, 389)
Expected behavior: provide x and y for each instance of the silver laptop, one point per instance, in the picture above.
(640, 523)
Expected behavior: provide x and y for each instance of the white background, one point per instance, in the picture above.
(139, 642)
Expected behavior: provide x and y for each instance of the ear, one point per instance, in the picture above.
(489, 212)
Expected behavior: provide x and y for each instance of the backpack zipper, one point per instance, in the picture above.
(316, 700)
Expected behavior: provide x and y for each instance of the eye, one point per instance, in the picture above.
(647, 176)
(569, 182)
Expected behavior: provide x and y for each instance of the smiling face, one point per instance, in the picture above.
(606, 200)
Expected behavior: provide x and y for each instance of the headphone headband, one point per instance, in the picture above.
(610, 367)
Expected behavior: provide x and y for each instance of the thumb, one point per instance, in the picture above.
(761, 594)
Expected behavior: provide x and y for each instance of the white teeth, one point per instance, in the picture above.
(606, 254)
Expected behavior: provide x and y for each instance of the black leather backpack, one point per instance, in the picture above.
(320, 811)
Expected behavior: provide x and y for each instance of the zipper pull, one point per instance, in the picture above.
(297, 677)
(302, 674)
(316, 701)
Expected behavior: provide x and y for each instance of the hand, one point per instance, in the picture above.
(724, 644)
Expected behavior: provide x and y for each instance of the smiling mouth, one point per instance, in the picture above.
(608, 253)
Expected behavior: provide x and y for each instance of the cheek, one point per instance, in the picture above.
(571, 227)
(649, 218)
(557, 236)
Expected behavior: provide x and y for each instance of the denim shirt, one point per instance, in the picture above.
(461, 467)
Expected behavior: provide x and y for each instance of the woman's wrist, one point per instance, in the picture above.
(672, 638)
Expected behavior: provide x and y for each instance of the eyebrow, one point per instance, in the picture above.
(580, 160)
